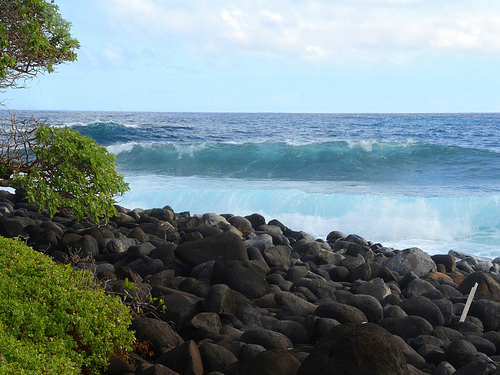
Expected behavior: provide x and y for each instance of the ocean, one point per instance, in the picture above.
(425, 180)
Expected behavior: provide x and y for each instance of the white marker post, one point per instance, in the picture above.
(469, 301)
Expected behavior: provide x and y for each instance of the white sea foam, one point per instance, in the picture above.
(188, 149)
(436, 225)
(97, 121)
(116, 149)
(365, 145)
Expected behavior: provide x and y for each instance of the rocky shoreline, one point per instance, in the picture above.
(242, 295)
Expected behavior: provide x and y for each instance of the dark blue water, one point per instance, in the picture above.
(427, 180)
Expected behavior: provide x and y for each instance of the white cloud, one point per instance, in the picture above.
(321, 30)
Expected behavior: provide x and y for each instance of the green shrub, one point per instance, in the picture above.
(53, 319)
(59, 169)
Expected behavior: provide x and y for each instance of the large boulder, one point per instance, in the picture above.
(376, 288)
(294, 305)
(412, 259)
(355, 349)
(220, 300)
(227, 245)
(277, 256)
(369, 305)
(266, 338)
(203, 325)
(240, 276)
(488, 287)
(146, 266)
(261, 242)
(488, 312)
(215, 357)
(158, 333)
(184, 359)
(423, 307)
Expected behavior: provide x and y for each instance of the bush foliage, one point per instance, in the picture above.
(54, 319)
(59, 168)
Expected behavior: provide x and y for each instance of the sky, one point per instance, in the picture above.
(328, 56)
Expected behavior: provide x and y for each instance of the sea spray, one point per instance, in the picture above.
(435, 224)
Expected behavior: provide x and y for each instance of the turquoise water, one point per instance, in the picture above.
(426, 180)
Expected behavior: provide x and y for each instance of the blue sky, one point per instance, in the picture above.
(276, 56)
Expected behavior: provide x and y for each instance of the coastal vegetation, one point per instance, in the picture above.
(54, 319)
(57, 168)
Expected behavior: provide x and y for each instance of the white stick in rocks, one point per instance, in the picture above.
(469, 301)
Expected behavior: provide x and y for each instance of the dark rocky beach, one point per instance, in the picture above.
(244, 295)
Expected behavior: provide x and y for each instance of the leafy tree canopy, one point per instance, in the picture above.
(59, 169)
(33, 39)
